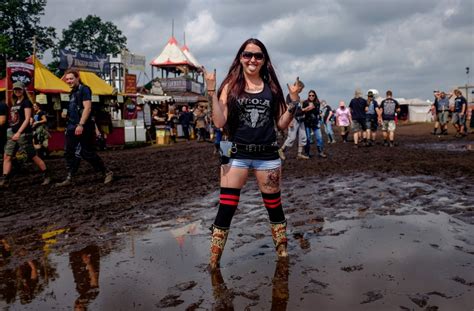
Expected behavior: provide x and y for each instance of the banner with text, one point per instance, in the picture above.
(133, 61)
(130, 84)
(20, 72)
(82, 61)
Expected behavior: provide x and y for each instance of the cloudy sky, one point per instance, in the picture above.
(334, 46)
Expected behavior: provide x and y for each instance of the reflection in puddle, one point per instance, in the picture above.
(383, 251)
(451, 146)
(85, 266)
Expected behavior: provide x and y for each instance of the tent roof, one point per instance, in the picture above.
(46, 81)
(172, 56)
(190, 56)
(97, 85)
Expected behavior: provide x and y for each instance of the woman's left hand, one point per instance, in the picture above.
(210, 78)
(16, 136)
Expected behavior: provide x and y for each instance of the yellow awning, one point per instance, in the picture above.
(97, 85)
(46, 81)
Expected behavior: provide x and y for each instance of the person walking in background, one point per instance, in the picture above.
(80, 131)
(357, 107)
(3, 124)
(386, 117)
(40, 131)
(343, 120)
(434, 111)
(19, 135)
(459, 114)
(250, 105)
(371, 119)
(312, 122)
(185, 119)
(296, 128)
(201, 121)
(443, 112)
(327, 116)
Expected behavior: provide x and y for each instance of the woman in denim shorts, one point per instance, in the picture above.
(249, 105)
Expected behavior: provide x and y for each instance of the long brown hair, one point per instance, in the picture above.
(235, 80)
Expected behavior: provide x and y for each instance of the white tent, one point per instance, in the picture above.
(172, 55)
(419, 110)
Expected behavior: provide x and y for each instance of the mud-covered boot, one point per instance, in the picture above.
(218, 240)
(279, 238)
(46, 179)
(4, 181)
(321, 153)
(66, 182)
(300, 155)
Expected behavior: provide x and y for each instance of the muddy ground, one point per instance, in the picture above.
(371, 228)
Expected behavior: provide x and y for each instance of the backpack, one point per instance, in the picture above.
(95, 106)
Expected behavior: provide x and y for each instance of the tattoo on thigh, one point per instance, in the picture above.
(273, 179)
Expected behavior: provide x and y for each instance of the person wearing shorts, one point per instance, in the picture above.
(20, 135)
(343, 120)
(386, 116)
(443, 112)
(249, 105)
(459, 114)
(358, 107)
(371, 119)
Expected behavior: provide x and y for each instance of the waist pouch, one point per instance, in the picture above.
(229, 150)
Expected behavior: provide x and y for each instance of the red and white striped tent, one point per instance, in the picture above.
(190, 56)
(172, 56)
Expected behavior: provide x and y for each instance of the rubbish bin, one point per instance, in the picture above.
(162, 136)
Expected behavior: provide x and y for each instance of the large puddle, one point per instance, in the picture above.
(360, 241)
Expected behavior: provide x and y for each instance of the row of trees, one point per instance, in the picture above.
(20, 24)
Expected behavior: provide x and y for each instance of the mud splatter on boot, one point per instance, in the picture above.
(218, 240)
(279, 238)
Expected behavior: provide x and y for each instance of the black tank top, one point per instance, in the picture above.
(256, 113)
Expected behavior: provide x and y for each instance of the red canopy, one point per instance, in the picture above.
(3, 84)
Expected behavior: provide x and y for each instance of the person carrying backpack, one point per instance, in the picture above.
(80, 131)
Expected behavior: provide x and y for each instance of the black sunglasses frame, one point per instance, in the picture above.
(249, 55)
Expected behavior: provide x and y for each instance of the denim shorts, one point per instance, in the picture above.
(259, 165)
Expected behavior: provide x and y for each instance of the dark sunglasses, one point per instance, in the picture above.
(312, 95)
(249, 55)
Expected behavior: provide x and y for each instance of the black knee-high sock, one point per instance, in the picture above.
(228, 202)
(272, 202)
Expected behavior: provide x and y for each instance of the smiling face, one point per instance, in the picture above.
(71, 80)
(252, 65)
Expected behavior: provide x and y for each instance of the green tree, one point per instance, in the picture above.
(19, 23)
(90, 35)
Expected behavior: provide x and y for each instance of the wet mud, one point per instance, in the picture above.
(369, 228)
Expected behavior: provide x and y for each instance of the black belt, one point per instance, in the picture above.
(255, 148)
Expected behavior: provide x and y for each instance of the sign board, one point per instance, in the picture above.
(133, 61)
(20, 72)
(82, 61)
(120, 99)
(130, 84)
(95, 98)
(41, 99)
(64, 97)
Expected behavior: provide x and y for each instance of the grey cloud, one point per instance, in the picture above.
(377, 11)
(253, 13)
(463, 16)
